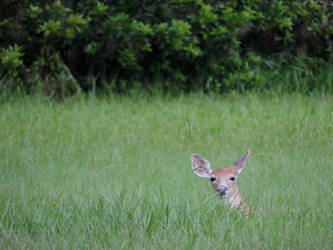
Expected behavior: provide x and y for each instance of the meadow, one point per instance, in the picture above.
(93, 173)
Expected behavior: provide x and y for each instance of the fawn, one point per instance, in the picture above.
(223, 180)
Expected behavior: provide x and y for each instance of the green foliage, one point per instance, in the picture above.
(178, 45)
(11, 60)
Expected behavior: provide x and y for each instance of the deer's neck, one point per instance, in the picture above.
(233, 200)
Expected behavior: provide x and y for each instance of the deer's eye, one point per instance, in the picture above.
(232, 178)
(212, 179)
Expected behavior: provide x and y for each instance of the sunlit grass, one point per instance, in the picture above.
(116, 173)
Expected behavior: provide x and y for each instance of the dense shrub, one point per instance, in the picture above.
(179, 45)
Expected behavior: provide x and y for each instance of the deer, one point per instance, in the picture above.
(224, 180)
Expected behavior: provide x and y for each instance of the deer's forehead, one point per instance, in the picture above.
(224, 172)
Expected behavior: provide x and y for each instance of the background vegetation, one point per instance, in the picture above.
(61, 47)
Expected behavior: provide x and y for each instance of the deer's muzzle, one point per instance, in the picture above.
(221, 190)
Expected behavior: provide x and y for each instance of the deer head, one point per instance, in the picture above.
(224, 180)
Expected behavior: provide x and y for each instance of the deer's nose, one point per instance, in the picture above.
(221, 189)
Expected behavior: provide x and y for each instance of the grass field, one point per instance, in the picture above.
(115, 173)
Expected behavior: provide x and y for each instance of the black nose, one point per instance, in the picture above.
(221, 189)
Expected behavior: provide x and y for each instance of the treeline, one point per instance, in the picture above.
(177, 45)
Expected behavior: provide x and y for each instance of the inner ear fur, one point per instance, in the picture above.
(201, 166)
(241, 162)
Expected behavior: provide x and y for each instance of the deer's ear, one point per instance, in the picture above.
(241, 162)
(201, 166)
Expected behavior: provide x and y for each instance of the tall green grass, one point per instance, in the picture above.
(116, 173)
(306, 75)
